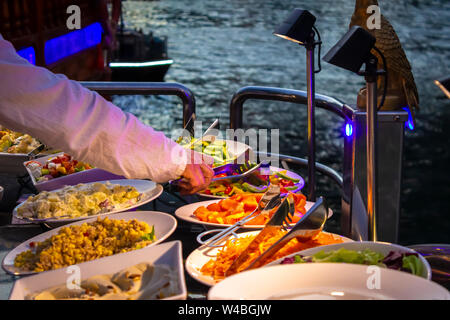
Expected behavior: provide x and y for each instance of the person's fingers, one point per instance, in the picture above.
(195, 180)
(208, 174)
(184, 188)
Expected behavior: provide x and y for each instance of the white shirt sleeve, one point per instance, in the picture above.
(65, 115)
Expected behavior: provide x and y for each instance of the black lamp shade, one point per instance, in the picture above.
(297, 27)
(352, 51)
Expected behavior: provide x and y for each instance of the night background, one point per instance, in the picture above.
(221, 46)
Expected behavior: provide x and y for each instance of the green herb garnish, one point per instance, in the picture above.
(150, 236)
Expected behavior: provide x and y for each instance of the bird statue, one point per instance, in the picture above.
(401, 88)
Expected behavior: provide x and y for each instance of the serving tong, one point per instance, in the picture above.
(208, 132)
(308, 227)
(270, 200)
(280, 220)
(231, 168)
(37, 220)
(34, 153)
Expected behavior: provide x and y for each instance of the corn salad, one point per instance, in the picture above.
(81, 243)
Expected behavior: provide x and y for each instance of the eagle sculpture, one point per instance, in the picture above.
(401, 88)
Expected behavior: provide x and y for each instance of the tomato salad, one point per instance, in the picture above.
(255, 183)
(56, 167)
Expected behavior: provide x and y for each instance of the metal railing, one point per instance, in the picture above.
(147, 88)
(286, 160)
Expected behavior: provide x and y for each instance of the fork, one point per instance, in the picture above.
(43, 220)
(309, 226)
(279, 221)
(268, 201)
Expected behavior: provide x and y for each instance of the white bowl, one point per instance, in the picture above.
(381, 247)
(165, 224)
(326, 281)
(86, 176)
(167, 253)
(199, 257)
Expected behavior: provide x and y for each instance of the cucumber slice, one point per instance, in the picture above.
(251, 188)
(286, 177)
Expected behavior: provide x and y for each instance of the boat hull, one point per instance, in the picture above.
(139, 74)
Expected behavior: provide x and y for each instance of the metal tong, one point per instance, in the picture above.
(233, 167)
(269, 200)
(280, 221)
(309, 226)
(33, 153)
(191, 129)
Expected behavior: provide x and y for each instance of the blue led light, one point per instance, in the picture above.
(72, 42)
(410, 122)
(29, 54)
(348, 129)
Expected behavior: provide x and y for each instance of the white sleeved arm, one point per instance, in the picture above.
(65, 115)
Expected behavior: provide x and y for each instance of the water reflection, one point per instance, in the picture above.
(221, 46)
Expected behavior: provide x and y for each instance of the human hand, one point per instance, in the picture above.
(197, 175)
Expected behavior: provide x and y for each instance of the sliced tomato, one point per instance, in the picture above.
(286, 183)
(220, 175)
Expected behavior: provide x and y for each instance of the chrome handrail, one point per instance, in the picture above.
(279, 94)
(287, 95)
(147, 88)
(326, 170)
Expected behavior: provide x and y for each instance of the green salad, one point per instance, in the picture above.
(217, 149)
(403, 261)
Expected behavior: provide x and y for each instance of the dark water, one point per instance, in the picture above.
(221, 46)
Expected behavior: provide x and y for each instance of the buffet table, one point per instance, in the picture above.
(12, 235)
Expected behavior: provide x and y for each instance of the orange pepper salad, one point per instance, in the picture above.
(216, 267)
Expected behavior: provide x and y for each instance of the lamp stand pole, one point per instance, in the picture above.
(371, 74)
(310, 84)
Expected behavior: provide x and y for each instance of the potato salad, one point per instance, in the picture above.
(15, 142)
(79, 201)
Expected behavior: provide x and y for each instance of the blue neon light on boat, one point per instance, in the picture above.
(29, 54)
(72, 42)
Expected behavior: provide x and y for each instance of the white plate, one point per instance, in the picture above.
(198, 258)
(325, 281)
(164, 224)
(291, 174)
(149, 190)
(186, 213)
(168, 254)
(381, 247)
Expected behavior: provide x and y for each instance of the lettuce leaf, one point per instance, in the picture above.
(365, 256)
(413, 264)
